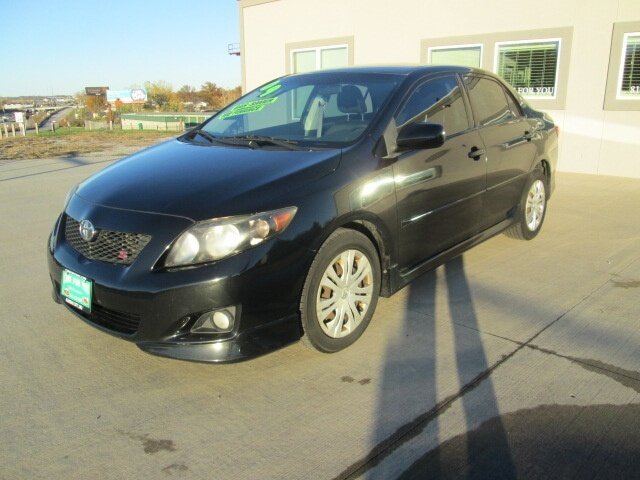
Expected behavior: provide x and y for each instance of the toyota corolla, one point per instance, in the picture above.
(287, 214)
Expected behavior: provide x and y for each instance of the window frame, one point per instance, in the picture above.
(496, 57)
(431, 49)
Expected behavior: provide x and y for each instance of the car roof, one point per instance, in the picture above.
(397, 69)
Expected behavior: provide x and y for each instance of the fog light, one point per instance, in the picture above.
(216, 321)
(222, 320)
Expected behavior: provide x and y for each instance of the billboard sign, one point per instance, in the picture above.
(96, 91)
(19, 117)
(134, 95)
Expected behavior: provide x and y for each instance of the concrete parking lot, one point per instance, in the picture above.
(518, 359)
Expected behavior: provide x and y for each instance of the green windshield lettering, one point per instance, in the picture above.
(248, 107)
(270, 88)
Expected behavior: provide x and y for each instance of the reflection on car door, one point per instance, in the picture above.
(439, 191)
(507, 138)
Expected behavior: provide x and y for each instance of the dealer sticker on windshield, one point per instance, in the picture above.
(76, 290)
(248, 107)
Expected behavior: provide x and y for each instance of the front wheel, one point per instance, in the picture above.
(532, 209)
(341, 291)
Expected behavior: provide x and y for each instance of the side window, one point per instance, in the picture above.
(438, 100)
(513, 106)
(488, 101)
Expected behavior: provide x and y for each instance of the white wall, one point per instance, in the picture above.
(592, 140)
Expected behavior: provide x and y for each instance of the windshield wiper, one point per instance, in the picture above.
(251, 141)
(220, 140)
(205, 134)
(198, 131)
(263, 139)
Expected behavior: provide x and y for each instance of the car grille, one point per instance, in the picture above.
(126, 323)
(113, 247)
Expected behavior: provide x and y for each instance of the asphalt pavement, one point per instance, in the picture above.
(56, 117)
(515, 360)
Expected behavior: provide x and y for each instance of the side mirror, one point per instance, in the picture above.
(419, 136)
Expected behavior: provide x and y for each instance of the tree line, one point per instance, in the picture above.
(161, 97)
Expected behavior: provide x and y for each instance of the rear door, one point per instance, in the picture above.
(439, 191)
(507, 137)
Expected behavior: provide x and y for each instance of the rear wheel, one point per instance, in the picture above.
(533, 206)
(341, 291)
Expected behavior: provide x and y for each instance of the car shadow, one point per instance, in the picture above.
(413, 375)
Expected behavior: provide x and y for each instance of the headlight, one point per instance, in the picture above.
(221, 237)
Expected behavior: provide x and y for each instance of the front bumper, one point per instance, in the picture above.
(249, 344)
(156, 308)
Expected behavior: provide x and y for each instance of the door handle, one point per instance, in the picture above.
(476, 153)
(528, 135)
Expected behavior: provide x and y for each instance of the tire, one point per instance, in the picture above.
(532, 209)
(328, 293)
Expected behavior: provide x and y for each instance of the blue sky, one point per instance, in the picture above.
(59, 47)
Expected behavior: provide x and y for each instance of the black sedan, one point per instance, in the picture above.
(289, 212)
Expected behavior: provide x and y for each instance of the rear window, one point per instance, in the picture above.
(488, 101)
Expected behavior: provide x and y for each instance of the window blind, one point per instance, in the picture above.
(630, 84)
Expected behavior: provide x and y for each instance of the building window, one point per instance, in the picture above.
(463, 55)
(629, 81)
(531, 67)
(623, 77)
(318, 58)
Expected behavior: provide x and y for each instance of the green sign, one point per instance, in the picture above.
(270, 88)
(248, 107)
(76, 290)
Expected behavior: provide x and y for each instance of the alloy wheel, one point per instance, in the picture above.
(534, 207)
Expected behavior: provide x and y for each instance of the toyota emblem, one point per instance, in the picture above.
(87, 230)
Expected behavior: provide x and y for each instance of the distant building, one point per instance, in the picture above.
(17, 106)
(577, 59)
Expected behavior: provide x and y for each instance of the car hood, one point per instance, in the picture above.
(202, 182)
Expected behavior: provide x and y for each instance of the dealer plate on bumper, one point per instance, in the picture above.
(76, 290)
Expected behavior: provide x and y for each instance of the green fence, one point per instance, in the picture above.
(162, 121)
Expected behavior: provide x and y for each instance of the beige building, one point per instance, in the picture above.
(577, 59)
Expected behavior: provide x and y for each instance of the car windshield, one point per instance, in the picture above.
(318, 109)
